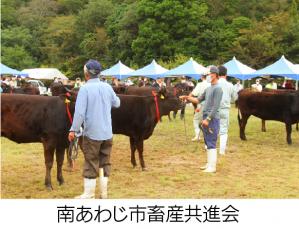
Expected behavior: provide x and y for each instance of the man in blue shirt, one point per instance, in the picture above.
(93, 109)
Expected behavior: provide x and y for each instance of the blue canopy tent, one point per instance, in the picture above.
(5, 70)
(238, 70)
(118, 70)
(153, 70)
(191, 68)
(282, 67)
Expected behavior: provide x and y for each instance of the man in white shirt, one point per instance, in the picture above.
(257, 85)
(238, 87)
(197, 118)
(229, 96)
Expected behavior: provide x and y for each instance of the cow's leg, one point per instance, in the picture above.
(140, 153)
(133, 149)
(59, 160)
(174, 114)
(289, 132)
(169, 118)
(297, 126)
(263, 125)
(49, 148)
(183, 112)
(242, 125)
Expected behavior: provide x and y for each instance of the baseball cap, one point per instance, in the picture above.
(93, 67)
(214, 69)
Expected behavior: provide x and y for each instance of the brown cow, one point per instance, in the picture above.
(283, 107)
(31, 118)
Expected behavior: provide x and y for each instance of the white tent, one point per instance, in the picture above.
(44, 73)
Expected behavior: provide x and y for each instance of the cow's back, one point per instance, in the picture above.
(265, 105)
(135, 116)
(29, 118)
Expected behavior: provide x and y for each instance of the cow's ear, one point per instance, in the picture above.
(162, 96)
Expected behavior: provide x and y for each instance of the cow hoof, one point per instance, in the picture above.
(243, 138)
(49, 187)
(60, 181)
(144, 169)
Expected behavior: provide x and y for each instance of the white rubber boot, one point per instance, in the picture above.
(89, 189)
(223, 141)
(196, 130)
(103, 187)
(211, 168)
(208, 159)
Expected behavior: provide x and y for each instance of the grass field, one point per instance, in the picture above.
(262, 167)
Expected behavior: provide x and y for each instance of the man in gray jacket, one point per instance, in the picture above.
(211, 117)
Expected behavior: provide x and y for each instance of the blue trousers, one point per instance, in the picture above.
(211, 132)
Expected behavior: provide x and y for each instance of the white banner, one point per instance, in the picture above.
(189, 213)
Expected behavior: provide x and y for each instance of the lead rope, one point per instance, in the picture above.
(186, 138)
(73, 147)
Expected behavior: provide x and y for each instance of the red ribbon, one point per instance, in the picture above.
(157, 106)
(67, 106)
(68, 112)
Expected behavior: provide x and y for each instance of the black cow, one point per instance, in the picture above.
(31, 118)
(137, 118)
(283, 107)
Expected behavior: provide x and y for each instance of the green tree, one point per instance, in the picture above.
(17, 57)
(71, 6)
(59, 41)
(122, 29)
(262, 44)
(167, 28)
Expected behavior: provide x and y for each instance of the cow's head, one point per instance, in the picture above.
(167, 101)
(70, 95)
(165, 93)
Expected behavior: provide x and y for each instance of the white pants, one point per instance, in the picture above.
(197, 118)
(224, 124)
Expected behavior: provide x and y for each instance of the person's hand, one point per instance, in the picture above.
(205, 123)
(71, 136)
